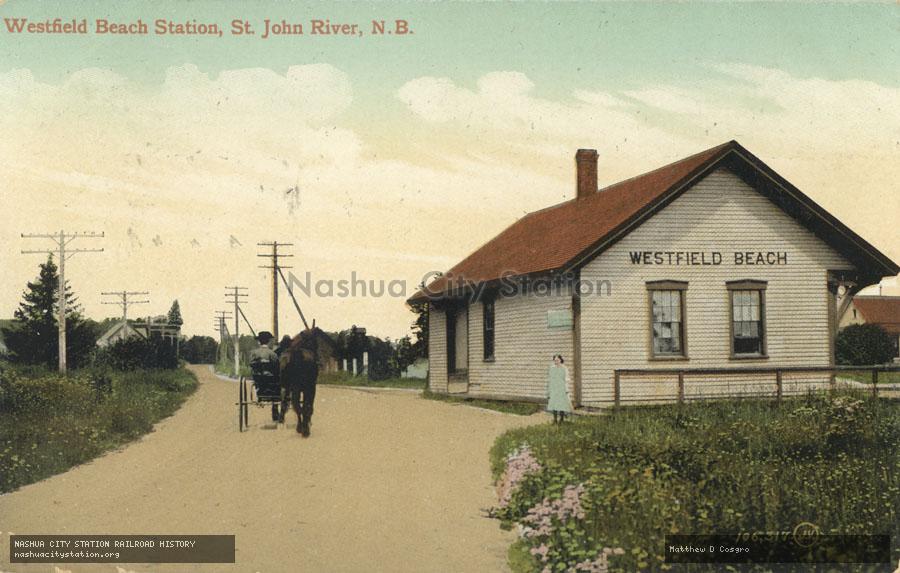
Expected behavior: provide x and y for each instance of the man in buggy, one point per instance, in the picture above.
(264, 367)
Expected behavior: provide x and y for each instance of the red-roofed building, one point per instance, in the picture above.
(881, 310)
(712, 261)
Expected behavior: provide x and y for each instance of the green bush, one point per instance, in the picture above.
(137, 353)
(863, 345)
(50, 422)
(200, 350)
(723, 467)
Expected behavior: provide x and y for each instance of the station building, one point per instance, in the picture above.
(712, 262)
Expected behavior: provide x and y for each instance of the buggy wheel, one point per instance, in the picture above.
(241, 404)
(246, 405)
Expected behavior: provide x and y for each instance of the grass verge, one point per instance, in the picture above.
(50, 423)
(641, 473)
(226, 368)
(865, 376)
(519, 408)
(342, 378)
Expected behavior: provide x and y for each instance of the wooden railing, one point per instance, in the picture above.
(777, 373)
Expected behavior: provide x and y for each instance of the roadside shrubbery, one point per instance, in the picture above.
(863, 345)
(49, 422)
(135, 353)
(607, 490)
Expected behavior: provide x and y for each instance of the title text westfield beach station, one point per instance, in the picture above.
(237, 27)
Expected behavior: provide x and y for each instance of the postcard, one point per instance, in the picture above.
(449, 286)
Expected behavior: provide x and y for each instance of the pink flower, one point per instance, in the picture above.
(519, 464)
(539, 521)
(541, 551)
(601, 563)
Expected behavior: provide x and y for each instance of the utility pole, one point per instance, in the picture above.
(276, 268)
(62, 239)
(123, 294)
(222, 327)
(235, 297)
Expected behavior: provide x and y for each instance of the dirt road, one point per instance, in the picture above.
(387, 482)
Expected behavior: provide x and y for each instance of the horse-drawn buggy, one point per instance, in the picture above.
(262, 388)
(282, 376)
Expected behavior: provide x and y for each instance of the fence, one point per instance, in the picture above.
(740, 382)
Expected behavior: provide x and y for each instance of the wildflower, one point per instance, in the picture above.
(541, 552)
(519, 464)
(601, 563)
(539, 520)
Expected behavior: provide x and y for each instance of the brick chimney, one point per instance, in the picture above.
(586, 171)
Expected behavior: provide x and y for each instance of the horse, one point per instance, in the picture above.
(299, 369)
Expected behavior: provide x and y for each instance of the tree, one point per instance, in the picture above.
(174, 316)
(406, 353)
(200, 350)
(34, 336)
(420, 329)
(863, 345)
(382, 359)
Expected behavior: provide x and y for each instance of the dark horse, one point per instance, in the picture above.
(299, 365)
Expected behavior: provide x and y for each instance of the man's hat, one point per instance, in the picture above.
(264, 337)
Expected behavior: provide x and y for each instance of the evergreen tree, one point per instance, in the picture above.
(406, 353)
(34, 336)
(420, 329)
(174, 316)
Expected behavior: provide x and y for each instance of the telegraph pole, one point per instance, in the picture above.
(276, 269)
(62, 239)
(123, 294)
(235, 297)
(222, 327)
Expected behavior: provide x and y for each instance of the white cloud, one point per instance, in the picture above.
(503, 112)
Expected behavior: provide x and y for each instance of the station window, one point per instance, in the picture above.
(748, 335)
(667, 319)
(488, 328)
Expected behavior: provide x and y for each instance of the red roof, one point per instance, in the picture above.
(566, 234)
(881, 310)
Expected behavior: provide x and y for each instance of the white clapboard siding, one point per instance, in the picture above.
(523, 345)
(462, 339)
(437, 350)
(720, 213)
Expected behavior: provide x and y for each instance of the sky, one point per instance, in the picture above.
(387, 158)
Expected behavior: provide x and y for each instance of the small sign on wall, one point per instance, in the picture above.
(560, 319)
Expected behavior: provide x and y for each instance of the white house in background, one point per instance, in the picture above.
(881, 310)
(714, 261)
(119, 331)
